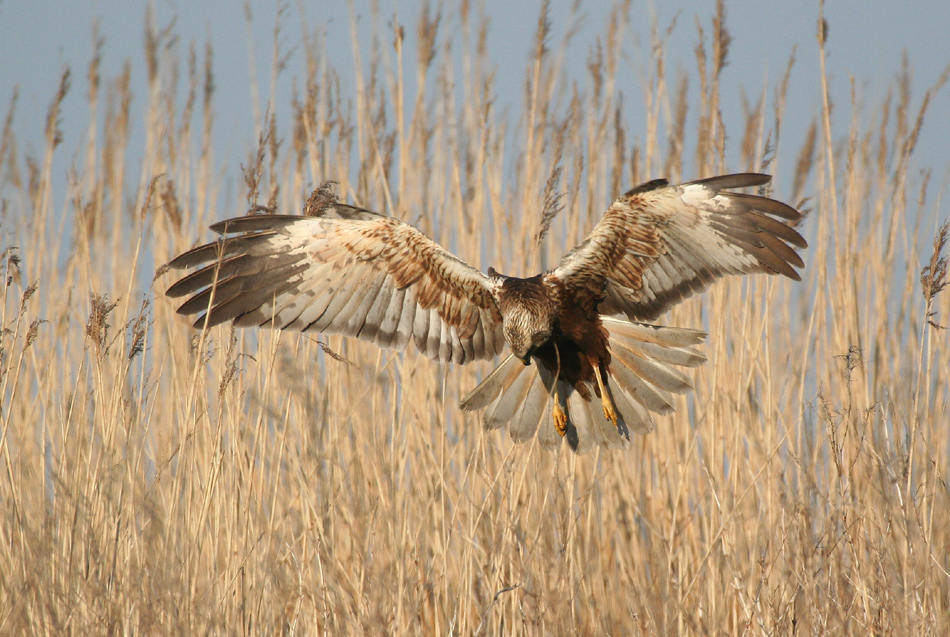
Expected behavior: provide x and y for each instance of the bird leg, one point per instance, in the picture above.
(560, 418)
(610, 413)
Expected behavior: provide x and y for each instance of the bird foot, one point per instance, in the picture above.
(560, 420)
(609, 412)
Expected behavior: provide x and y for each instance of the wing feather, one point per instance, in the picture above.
(350, 271)
(340, 298)
(356, 320)
(297, 311)
(403, 332)
(420, 331)
(376, 307)
(231, 296)
(659, 244)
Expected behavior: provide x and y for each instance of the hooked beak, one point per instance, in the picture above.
(526, 359)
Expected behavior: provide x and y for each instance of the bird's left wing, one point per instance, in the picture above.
(349, 271)
(659, 244)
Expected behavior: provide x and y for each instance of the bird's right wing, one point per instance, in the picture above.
(351, 272)
(659, 244)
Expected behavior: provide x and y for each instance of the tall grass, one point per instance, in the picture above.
(156, 479)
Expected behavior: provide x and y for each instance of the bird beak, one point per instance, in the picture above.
(526, 359)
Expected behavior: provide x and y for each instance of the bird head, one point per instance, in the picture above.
(525, 334)
(527, 314)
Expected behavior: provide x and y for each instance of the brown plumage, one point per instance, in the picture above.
(575, 331)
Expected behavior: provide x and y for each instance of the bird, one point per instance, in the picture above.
(581, 338)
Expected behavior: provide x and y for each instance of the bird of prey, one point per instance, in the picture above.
(578, 335)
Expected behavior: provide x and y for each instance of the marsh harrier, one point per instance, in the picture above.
(576, 333)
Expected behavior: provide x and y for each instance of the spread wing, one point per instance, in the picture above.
(350, 272)
(659, 244)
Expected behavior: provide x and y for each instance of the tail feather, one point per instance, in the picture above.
(630, 377)
(525, 422)
(661, 375)
(509, 401)
(641, 379)
(488, 390)
(606, 434)
(633, 415)
(667, 337)
(514, 394)
(681, 356)
(581, 428)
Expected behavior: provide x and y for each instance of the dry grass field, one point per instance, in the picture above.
(156, 479)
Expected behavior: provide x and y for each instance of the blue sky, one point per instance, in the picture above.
(38, 38)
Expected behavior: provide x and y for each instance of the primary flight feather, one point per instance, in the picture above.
(575, 332)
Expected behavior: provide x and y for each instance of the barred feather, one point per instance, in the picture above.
(350, 272)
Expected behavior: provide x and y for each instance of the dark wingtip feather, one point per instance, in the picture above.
(200, 323)
(766, 254)
(342, 211)
(736, 180)
(654, 184)
(196, 256)
(254, 223)
(201, 278)
(766, 205)
(258, 223)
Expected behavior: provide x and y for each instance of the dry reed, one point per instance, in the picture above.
(156, 479)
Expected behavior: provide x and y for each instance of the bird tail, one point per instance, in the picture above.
(641, 379)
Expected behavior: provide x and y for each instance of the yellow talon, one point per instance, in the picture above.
(560, 419)
(609, 412)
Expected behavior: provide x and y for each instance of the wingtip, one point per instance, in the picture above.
(735, 180)
(653, 184)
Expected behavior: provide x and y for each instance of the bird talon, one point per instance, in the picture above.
(609, 412)
(605, 400)
(560, 420)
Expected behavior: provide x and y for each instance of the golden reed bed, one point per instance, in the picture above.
(162, 480)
